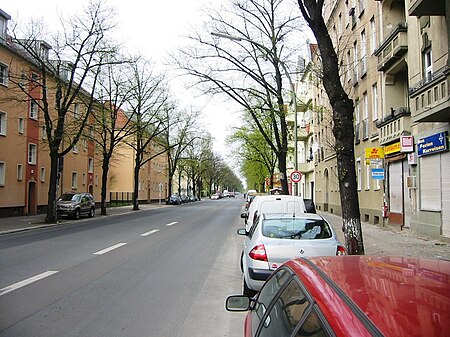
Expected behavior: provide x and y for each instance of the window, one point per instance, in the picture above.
(76, 111)
(96, 180)
(427, 64)
(270, 289)
(368, 177)
(340, 25)
(312, 327)
(42, 175)
(3, 74)
(74, 180)
(363, 53)
(43, 132)
(33, 109)
(2, 123)
(2, 173)
(355, 60)
(375, 102)
(32, 153)
(357, 116)
(19, 172)
(21, 125)
(83, 179)
(90, 165)
(373, 32)
(287, 311)
(75, 148)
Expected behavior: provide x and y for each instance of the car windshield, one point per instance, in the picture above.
(70, 197)
(296, 228)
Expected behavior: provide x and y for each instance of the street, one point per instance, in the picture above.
(160, 273)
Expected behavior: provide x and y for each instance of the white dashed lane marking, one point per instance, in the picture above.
(171, 224)
(151, 232)
(106, 250)
(23, 283)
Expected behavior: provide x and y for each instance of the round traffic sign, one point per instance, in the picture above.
(296, 176)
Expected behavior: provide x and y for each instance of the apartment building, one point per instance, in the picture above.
(24, 154)
(24, 151)
(395, 66)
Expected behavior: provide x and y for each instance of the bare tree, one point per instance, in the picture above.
(343, 131)
(179, 134)
(112, 125)
(149, 105)
(248, 60)
(65, 74)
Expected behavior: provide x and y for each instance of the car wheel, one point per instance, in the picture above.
(91, 213)
(247, 291)
(77, 214)
(242, 261)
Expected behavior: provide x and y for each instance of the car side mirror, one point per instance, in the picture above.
(242, 231)
(238, 303)
(244, 215)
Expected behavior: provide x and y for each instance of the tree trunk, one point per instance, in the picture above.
(51, 216)
(105, 169)
(136, 184)
(343, 128)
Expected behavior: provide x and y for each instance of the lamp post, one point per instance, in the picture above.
(293, 93)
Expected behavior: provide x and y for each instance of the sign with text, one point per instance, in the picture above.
(378, 173)
(406, 144)
(296, 176)
(392, 148)
(432, 144)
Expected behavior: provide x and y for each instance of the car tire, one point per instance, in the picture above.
(247, 291)
(77, 214)
(242, 261)
(91, 213)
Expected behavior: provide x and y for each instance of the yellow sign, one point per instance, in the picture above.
(392, 148)
(374, 153)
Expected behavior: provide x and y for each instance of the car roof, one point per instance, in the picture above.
(312, 216)
(398, 296)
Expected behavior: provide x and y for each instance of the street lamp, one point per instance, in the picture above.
(293, 93)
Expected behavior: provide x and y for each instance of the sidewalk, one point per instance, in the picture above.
(388, 241)
(26, 222)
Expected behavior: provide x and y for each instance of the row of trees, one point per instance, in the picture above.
(126, 102)
(247, 51)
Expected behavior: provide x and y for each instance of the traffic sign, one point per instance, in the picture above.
(296, 176)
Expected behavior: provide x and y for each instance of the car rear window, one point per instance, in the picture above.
(296, 228)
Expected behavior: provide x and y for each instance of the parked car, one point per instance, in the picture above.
(351, 296)
(215, 196)
(272, 204)
(75, 204)
(276, 238)
(175, 200)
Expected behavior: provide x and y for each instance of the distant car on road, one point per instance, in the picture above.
(276, 238)
(75, 204)
(215, 196)
(351, 296)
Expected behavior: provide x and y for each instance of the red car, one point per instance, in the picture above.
(351, 296)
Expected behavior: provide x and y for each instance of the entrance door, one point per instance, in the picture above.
(396, 193)
(445, 167)
(327, 191)
(32, 204)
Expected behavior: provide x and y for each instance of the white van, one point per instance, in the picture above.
(272, 204)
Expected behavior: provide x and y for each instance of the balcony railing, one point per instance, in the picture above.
(393, 48)
(394, 125)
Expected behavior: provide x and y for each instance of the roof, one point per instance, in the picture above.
(399, 296)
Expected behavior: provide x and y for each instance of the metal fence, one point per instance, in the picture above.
(120, 198)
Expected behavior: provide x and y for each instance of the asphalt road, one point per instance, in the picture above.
(163, 272)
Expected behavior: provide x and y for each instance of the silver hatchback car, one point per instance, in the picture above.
(276, 238)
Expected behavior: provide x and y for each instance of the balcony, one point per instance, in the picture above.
(396, 124)
(430, 98)
(427, 7)
(393, 48)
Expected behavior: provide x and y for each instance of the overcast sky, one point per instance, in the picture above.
(152, 28)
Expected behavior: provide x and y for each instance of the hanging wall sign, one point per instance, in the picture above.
(432, 144)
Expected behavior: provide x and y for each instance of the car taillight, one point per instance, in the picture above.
(258, 253)
(341, 250)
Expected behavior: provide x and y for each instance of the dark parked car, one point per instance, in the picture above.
(75, 204)
(351, 296)
(175, 200)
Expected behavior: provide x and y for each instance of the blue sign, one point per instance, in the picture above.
(378, 173)
(432, 144)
